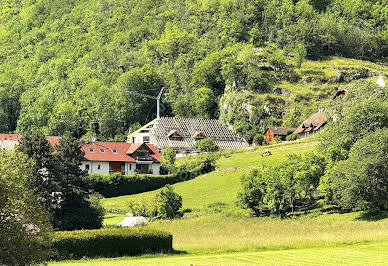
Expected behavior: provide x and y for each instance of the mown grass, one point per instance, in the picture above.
(358, 254)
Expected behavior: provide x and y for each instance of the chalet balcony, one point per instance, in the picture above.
(144, 158)
(144, 171)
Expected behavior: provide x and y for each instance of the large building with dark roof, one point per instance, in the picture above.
(181, 134)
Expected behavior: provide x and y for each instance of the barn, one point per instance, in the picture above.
(272, 132)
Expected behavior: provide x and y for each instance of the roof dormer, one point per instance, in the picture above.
(175, 135)
(198, 135)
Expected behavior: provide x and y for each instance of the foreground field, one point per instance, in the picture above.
(358, 254)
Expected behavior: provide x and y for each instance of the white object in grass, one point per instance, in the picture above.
(133, 221)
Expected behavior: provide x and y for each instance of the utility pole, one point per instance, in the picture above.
(157, 98)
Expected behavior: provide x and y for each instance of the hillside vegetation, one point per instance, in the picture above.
(65, 63)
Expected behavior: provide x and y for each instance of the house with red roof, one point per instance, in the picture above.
(120, 157)
(106, 157)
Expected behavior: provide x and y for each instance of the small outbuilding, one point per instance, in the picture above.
(272, 132)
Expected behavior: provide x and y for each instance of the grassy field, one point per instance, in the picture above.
(218, 232)
(218, 187)
(358, 254)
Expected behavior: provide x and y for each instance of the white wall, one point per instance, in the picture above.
(94, 167)
(156, 168)
(130, 168)
(137, 137)
(104, 167)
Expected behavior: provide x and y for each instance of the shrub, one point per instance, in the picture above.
(258, 139)
(252, 192)
(206, 145)
(168, 203)
(169, 159)
(146, 208)
(110, 242)
(292, 137)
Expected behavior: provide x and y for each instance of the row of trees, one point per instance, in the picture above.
(349, 168)
(62, 70)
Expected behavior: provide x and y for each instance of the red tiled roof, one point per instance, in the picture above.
(313, 123)
(16, 137)
(53, 140)
(122, 154)
(124, 150)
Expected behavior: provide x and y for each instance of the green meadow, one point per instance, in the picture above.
(216, 231)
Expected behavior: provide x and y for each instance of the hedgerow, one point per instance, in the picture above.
(109, 242)
(115, 185)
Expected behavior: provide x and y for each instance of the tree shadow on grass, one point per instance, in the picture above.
(373, 216)
(177, 252)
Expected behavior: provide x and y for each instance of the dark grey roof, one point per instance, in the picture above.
(281, 131)
(189, 127)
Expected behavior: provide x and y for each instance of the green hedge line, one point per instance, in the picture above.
(110, 242)
(115, 185)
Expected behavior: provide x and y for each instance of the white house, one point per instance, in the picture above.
(181, 134)
(106, 157)
(121, 157)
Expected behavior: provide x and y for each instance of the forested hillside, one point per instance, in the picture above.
(65, 63)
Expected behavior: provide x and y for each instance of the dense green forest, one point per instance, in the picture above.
(65, 64)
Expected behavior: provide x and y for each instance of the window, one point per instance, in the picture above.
(87, 167)
(102, 150)
(99, 167)
(146, 139)
(130, 166)
(110, 168)
(91, 150)
(114, 151)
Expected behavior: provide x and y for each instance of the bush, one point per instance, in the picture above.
(168, 203)
(292, 137)
(168, 161)
(110, 242)
(258, 139)
(206, 145)
(146, 208)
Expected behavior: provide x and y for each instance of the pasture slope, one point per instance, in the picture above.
(216, 231)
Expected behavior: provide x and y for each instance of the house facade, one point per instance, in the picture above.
(120, 157)
(106, 157)
(181, 134)
(272, 132)
(312, 125)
